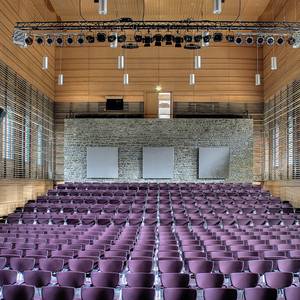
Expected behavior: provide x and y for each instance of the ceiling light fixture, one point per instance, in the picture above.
(217, 7)
(102, 7)
(29, 41)
(206, 39)
(49, 40)
(69, 40)
(90, 39)
(270, 41)
(238, 40)
(121, 62)
(260, 40)
(126, 79)
(80, 39)
(158, 88)
(101, 37)
(45, 63)
(192, 79)
(230, 38)
(197, 62)
(280, 41)
(60, 80)
(274, 65)
(39, 40)
(218, 37)
(249, 40)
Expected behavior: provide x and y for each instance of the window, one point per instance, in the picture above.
(164, 105)
(8, 136)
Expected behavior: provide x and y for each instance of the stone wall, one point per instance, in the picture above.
(185, 135)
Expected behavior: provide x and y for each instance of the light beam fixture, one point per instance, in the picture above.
(102, 7)
(274, 64)
(45, 63)
(217, 7)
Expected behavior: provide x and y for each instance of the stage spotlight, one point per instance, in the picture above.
(112, 37)
(291, 41)
(49, 40)
(249, 40)
(122, 38)
(148, 40)
(280, 40)
(270, 40)
(59, 41)
(90, 39)
(138, 37)
(158, 38)
(188, 38)
(101, 37)
(130, 46)
(218, 37)
(178, 40)
(168, 38)
(39, 40)
(29, 41)
(80, 39)
(238, 40)
(260, 40)
(206, 39)
(197, 38)
(192, 46)
(70, 40)
(230, 38)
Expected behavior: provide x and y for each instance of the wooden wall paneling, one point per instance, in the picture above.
(17, 192)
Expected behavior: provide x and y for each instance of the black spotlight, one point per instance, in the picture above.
(158, 38)
(69, 40)
(291, 41)
(101, 37)
(80, 39)
(206, 38)
(178, 40)
(138, 37)
(130, 46)
(122, 38)
(238, 40)
(249, 40)
(197, 38)
(280, 41)
(218, 37)
(29, 41)
(230, 38)
(169, 38)
(39, 40)
(188, 38)
(112, 37)
(191, 46)
(59, 41)
(270, 40)
(49, 40)
(148, 40)
(90, 39)
(260, 40)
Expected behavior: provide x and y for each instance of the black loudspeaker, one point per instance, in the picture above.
(2, 113)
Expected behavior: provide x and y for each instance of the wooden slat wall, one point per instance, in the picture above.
(17, 192)
(26, 62)
(91, 73)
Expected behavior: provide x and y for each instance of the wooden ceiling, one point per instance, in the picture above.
(157, 9)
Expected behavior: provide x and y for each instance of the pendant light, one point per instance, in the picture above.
(121, 62)
(192, 79)
(257, 75)
(60, 80)
(197, 62)
(126, 79)
(45, 63)
(274, 65)
(217, 7)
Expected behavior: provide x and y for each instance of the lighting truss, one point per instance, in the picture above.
(128, 24)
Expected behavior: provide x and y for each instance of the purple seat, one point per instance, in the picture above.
(51, 264)
(200, 266)
(57, 292)
(37, 278)
(22, 264)
(220, 294)
(170, 266)
(180, 294)
(260, 294)
(244, 280)
(279, 280)
(8, 277)
(81, 265)
(289, 265)
(96, 293)
(102, 279)
(292, 293)
(140, 279)
(71, 279)
(260, 266)
(138, 293)
(209, 280)
(175, 280)
(111, 265)
(2, 262)
(143, 266)
(17, 292)
(230, 266)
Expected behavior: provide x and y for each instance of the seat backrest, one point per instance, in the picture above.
(13, 292)
(58, 292)
(95, 293)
